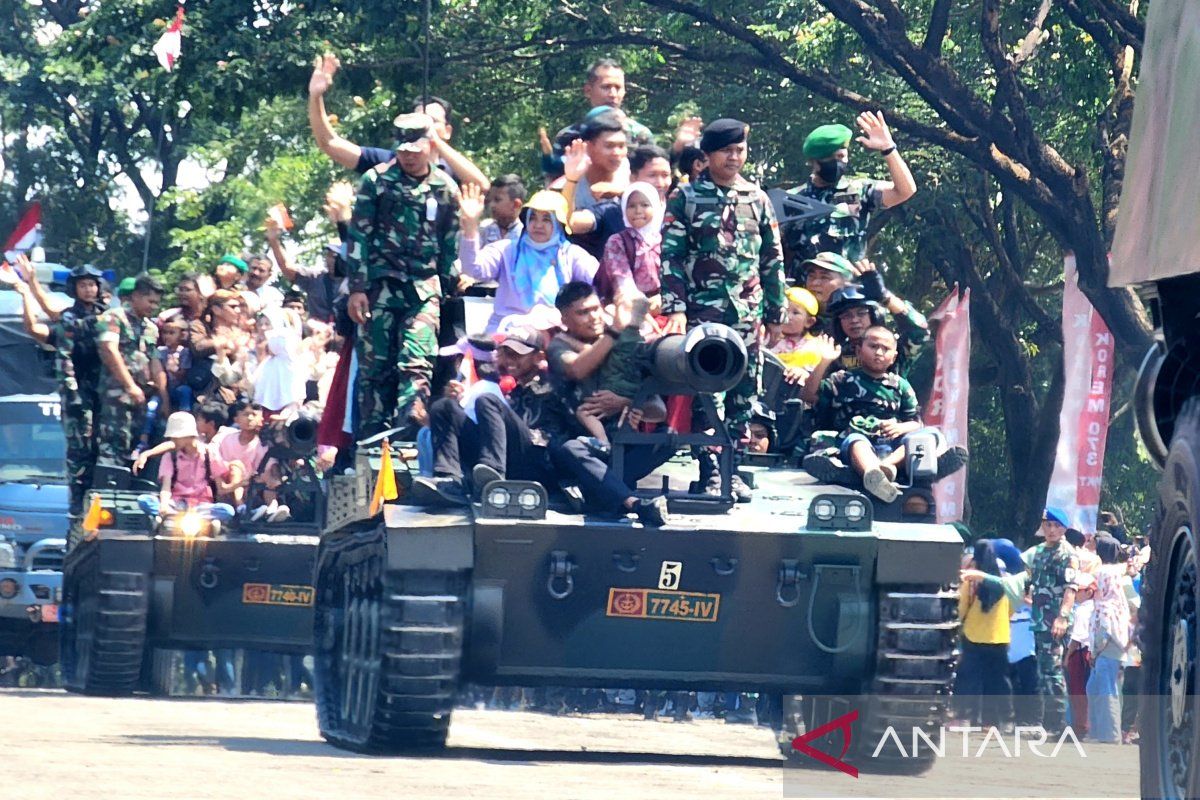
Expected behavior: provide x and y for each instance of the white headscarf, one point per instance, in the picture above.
(651, 232)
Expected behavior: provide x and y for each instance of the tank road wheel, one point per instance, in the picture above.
(914, 674)
(388, 648)
(1170, 715)
(103, 631)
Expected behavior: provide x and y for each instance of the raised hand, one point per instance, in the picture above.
(8, 275)
(876, 135)
(273, 229)
(25, 269)
(828, 349)
(544, 141)
(339, 202)
(575, 160)
(688, 132)
(324, 68)
(470, 205)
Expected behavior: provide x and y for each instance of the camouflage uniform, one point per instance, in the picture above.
(844, 232)
(851, 401)
(912, 334)
(403, 251)
(120, 419)
(76, 367)
(721, 262)
(1052, 571)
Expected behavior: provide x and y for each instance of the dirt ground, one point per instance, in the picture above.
(58, 745)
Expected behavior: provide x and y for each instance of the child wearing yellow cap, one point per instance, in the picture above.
(797, 348)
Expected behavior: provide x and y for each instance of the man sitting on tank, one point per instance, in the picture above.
(510, 436)
(583, 361)
(866, 412)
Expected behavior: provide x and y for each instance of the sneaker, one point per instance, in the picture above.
(259, 513)
(438, 491)
(877, 483)
(889, 470)
(596, 447)
(951, 461)
(481, 476)
(573, 495)
(282, 514)
(824, 467)
(652, 511)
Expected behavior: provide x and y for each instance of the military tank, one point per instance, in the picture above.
(136, 589)
(812, 593)
(1155, 251)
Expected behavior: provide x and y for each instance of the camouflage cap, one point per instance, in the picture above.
(826, 140)
(412, 130)
(834, 262)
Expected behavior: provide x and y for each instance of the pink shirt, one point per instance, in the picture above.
(190, 483)
(231, 449)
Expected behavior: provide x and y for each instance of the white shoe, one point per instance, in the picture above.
(259, 513)
(876, 482)
(282, 514)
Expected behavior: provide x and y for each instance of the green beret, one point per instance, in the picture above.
(826, 140)
(126, 286)
(722, 133)
(834, 262)
(230, 258)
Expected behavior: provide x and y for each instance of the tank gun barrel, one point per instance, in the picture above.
(708, 359)
(293, 438)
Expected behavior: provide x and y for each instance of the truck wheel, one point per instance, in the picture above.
(388, 648)
(1170, 713)
(914, 674)
(103, 631)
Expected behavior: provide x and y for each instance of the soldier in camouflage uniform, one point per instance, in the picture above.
(1053, 566)
(403, 249)
(76, 368)
(127, 340)
(851, 313)
(854, 199)
(721, 261)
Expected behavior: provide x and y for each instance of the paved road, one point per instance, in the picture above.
(59, 746)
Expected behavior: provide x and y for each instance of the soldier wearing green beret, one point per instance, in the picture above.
(401, 263)
(721, 262)
(229, 272)
(855, 198)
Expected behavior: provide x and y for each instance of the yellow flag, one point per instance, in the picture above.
(91, 520)
(385, 484)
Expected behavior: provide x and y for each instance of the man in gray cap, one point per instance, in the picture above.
(401, 263)
(722, 262)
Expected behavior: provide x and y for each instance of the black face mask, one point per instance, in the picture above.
(831, 171)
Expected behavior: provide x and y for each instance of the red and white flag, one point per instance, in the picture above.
(1088, 350)
(947, 406)
(169, 46)
(26, 235)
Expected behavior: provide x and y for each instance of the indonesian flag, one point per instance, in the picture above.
(1083, 422)
(170, 44)
(947, 406)
(27, 233)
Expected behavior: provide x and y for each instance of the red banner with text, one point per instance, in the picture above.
(947, 406)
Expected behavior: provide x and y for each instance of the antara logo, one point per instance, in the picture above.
(932, 741)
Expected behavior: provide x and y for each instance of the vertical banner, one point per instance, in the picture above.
(947, 406)
(1088, 351)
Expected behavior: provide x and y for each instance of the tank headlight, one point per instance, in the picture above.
(916, 505)
(824, 510)
(855, 510)
(8, 556)
(499, 497)
(528, 499)
(191, 524)
(9, 588)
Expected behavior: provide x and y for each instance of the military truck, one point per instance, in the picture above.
(136, 588)
(808, 590)
(33, 522)
(1157, 250)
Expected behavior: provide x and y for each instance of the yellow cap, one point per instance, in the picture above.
(552, 202)
(803, 298)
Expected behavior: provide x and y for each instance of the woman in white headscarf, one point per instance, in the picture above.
(631, 264)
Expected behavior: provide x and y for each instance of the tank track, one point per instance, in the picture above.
(389, 648)
(104, 631)
(915, 660)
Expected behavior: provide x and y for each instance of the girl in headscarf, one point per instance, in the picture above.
(530, 271)
(1110, 631)
(631, 265)
(983, 607)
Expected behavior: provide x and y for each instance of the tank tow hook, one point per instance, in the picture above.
(210, 574)
(787, 588)
(561, 567)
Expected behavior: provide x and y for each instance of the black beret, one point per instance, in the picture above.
(722, 133)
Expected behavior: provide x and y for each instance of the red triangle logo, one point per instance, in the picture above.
(843, 723)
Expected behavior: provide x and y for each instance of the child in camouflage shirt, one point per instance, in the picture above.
(870, 407)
